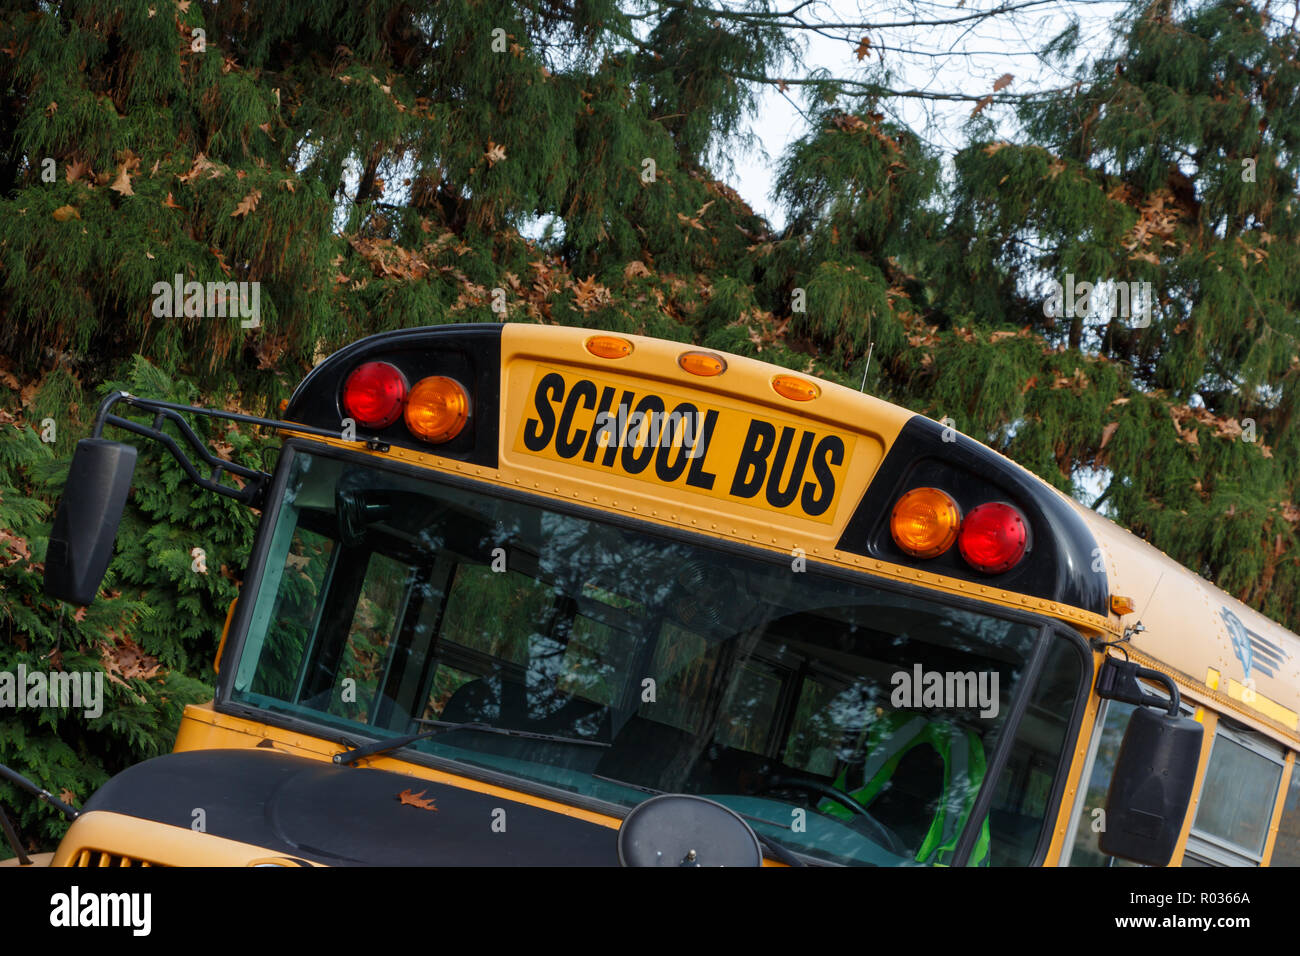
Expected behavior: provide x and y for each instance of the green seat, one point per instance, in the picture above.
(884, 743)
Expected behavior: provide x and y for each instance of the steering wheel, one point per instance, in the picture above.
(878, 831)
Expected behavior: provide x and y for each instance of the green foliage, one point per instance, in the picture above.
(377, 166)
(65, 749)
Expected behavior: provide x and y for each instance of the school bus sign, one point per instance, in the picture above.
(668, 437)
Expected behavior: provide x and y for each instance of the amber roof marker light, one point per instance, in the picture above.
(609, 346)
(795, 388)
(925, 522)
(437, 409)
(702, 363)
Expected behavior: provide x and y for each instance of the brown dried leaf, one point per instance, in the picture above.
(417, 800)
(1002, 82)
(64, 213)
(247, 204)
(495, 153)
(12, 544)
(589, 294)
(124, 660)
(201, 164)
(863, 48)
(122, 184)
(170, 203)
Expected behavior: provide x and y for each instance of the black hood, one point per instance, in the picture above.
(346, 816)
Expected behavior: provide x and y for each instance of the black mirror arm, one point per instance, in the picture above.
(256, 482)
(1118, 680)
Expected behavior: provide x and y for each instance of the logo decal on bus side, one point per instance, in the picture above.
(671, 438)
(1250, 648)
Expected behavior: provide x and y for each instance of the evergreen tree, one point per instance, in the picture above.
(375, 166)
(1172, 167)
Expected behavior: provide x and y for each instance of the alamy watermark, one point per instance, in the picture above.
(1101, 300)
(919, 688)
(217, 300)
(629, 429)
(79, 690)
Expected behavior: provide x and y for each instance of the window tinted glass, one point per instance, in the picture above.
(1020, 802)
(845, 720)
(1286, 851)
(1091, 814)
(1238, 795)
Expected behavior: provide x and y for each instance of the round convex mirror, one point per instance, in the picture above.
(680, 830)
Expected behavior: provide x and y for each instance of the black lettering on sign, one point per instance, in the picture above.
(777, 496)
(830, 452)
(538, 431)
(646, 418)
(787, 463)
(603, 425)
(683, 421)
(751, 468)
(569, 444)
(698, 477)
(611, 450)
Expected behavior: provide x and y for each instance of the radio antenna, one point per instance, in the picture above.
(1147, 607)
(863, 386)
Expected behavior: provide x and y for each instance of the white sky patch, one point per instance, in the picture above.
(964, 58)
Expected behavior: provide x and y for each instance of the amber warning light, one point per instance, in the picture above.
(437, 409)
(925, 522)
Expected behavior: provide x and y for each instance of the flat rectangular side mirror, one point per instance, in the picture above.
(85, 524)
(1151, 787)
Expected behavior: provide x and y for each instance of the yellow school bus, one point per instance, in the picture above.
(525, 594)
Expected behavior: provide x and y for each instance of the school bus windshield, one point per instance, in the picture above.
(804, 701)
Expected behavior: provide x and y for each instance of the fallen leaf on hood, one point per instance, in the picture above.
(417, 800)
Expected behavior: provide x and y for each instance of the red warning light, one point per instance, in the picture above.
(374, 394)
(993, 537)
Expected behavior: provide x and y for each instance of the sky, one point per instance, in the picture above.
(965, 58)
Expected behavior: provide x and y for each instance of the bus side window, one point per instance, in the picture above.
(594, 656)
(1090, 818)
(1237, 799)
(495, 613)
(1020, 803)
(682, 669)
(1286, 851)
(370, 637)
(816, 735)
(297, 603)
(755, 696)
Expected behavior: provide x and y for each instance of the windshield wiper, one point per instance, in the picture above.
(441, 727)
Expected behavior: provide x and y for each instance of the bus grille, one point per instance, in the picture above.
(102, 858)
